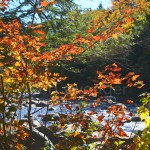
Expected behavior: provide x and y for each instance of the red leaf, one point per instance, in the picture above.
(68, 107)
(130, 114)
(121, 132)
(100, 118)
(96, 38)
(91, 113)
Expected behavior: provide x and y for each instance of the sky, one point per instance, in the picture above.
(93, 4)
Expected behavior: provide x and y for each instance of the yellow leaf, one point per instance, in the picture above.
(115, 36)
(147, 121)
(17, 64)
(76, 133)
(144, 114)
(1, 48)
(1, 101)
(18, 57)
(7, 80)
(54, 83)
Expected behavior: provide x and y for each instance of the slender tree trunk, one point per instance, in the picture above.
(29, 119)
(3, 113)
(29, 108)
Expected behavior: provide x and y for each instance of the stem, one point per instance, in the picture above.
(46, 113)
(29, 109)
(3, 113)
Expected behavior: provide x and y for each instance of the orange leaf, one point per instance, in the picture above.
(68, 58)
(130, 74)
(130, 101)
(39, 32)
(116, 69)
(17, 64)
(44, 3)
(1, 64)
(98, 100)
(107, 127)
(76, 133)
(116, 81)
(52, 2)
(135, 77)
(96, 38)
(35, 27)
(121, 133)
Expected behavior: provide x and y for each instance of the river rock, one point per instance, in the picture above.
(36, 123)
(41, 104)
(37, 140)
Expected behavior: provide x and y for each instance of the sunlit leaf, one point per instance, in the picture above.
(76, 133)
(130, 101)
(83, 104)
(100, 118)
(135, 77)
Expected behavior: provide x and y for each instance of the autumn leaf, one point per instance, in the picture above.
(44, 3)
(139, 84)
(39, 32)
(91, 113)
(144, 114)
(107, 127)
(68, 107)
(69, 58)
(54, 83)
(129, 101)
(131, 114)
(1, 64)
(130, 74)
(147, 122)
(116, 81)
(35, 27)
(76, 133)
(100, 118)
(116, 69)
(121, 133)
(96, 38)
(135, 77)
(115, 36)
(52, 2)
(17, 64)
(98, 100)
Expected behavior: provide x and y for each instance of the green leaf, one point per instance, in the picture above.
(144, 100)
(83, 104)
(74, 148)
(12, 108)
(119, 143)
